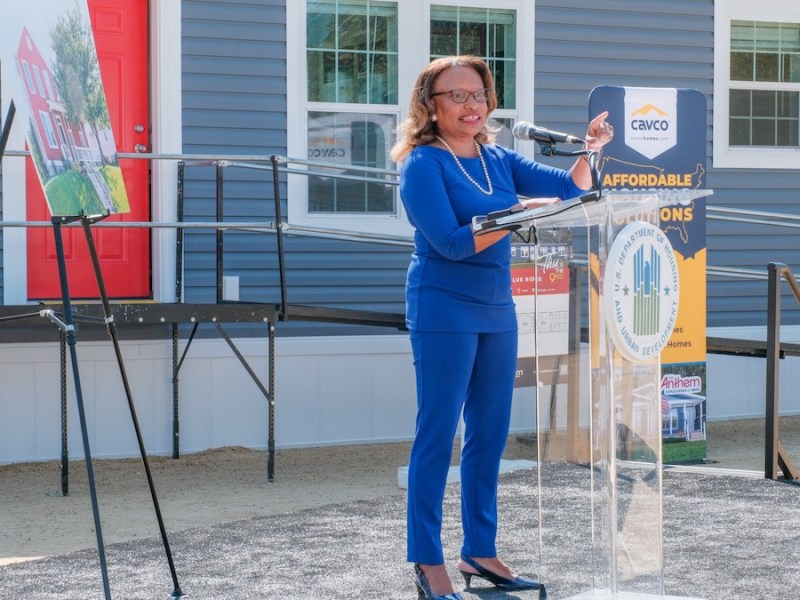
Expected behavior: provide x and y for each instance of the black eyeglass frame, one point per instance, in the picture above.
(485, 92)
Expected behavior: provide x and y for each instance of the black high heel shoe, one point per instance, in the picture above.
(518, 583)
(424, 588)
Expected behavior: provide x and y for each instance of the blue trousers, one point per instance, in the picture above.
(473, 371)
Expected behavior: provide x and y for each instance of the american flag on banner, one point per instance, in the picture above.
(665, 407)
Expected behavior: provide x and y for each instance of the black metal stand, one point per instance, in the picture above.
(775, 455)
(69, 329)
(7, 128)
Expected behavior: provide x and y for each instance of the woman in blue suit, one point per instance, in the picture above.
(459, 308)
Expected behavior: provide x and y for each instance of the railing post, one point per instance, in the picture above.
(775, 456)
(773, 356)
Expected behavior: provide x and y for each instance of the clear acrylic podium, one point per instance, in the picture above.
(598, 413)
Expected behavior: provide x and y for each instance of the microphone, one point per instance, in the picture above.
(528, 131)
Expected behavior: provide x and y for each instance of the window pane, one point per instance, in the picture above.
(788, 104)
(353, 32)
(790, 37)
(383, 80)
(763, 104)
(502, 129)
(740, 103)
(322, 81)
(739, 132)
(763, 133)
(351, 73)
(316, 75)
(787, 134)
(349, 139)
(488, 33)
(766, 67)
(743, 36)
(321, 26)
(505, 82)
(472, 38)
(742, 66)
(444, 36)
(790, 72)
(767, 37)
(383, 34)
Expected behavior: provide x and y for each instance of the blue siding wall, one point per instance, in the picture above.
(234, 102)
(581, 45)
(234, 86)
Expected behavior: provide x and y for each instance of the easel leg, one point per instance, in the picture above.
(62, 343)
(71, 340)
(112, 331)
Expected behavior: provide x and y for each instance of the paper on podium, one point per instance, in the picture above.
(516, 218)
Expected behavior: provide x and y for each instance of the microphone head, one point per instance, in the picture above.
(522, 130)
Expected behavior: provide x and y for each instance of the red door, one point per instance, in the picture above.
(121, 36)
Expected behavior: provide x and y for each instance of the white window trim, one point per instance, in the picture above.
(165, 28)
(413, 53)
(724, 156)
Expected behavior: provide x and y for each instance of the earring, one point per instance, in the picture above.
(434, 118)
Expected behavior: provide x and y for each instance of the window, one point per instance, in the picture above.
(28, 79)
(49, 85)
(351, 57)
(351, 67)
(47, 125)
(38, 78)
(757, 85)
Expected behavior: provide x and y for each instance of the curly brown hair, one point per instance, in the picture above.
(419, 128)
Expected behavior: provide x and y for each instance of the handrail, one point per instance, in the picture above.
(735, 273)
(775, 455)
(741, 215)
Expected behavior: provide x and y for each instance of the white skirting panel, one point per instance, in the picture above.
(329, 390)
(737, 385)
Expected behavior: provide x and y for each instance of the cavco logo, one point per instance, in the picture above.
(641, 290)
(651, 126)
(328, 149)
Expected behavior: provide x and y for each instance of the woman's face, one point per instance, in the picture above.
(459, 121)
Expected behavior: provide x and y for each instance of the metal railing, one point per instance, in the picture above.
(776, 459)
(775, 455)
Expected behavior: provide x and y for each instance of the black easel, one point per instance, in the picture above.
(7, 128)
(67, 327)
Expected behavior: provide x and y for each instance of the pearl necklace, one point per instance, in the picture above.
(464, 171)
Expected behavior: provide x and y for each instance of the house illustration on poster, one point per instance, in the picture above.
(60, 145)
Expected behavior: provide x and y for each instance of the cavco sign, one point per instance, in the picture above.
(660, 144)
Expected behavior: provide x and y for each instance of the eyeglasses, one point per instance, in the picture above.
(461, 96)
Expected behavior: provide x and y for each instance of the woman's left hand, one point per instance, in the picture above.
(599, 132)
(529, 203)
